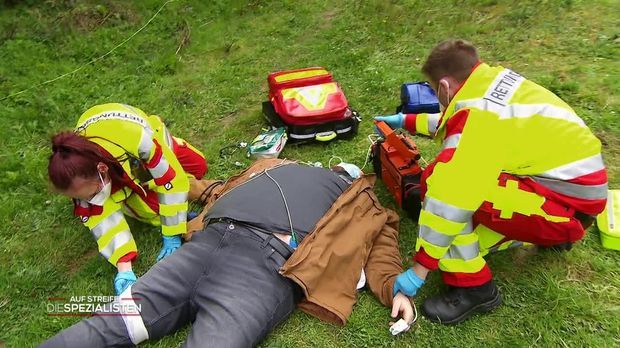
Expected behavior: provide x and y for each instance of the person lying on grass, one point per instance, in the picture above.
(276, 237)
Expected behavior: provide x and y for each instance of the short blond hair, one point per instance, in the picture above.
(453, 58)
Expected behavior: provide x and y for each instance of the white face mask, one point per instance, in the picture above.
(353, 170)
(102, 195)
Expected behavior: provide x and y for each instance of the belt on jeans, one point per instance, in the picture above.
(283, 251)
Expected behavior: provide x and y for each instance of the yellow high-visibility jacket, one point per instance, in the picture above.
(128, 134)
(500, 122)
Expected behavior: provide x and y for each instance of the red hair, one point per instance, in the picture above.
(73, 155)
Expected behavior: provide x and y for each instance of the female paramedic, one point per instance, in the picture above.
(120, 161)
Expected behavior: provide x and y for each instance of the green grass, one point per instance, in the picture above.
(202, 66)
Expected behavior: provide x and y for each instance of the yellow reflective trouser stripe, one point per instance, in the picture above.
(447, 211)
(464, 253)
(487, 238)
(431, 249)
(459, 265)
(438, 223)
(436, 238)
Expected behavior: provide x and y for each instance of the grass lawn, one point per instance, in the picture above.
(202, 65)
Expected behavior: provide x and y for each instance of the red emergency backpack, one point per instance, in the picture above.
(310, 104)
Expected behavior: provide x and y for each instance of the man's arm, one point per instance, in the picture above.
(384, 262)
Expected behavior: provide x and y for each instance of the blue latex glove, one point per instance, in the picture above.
(408, 283)
(123, 280)
(171, 243)
(394, 121)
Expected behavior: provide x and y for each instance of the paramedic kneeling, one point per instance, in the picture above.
(517, 165)
(241, 275)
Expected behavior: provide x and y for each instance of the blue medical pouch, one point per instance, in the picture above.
(417, 98)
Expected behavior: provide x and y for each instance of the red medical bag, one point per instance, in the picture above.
(395, 161)
(310, 104)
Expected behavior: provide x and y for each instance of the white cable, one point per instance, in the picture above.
(329, 164)
(93, 60)
(372, 142)
(423, 160)
(288, 213)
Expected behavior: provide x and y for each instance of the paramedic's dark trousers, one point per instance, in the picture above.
(225, 281)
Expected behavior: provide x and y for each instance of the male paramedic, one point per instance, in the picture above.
(276, 236)
(517, 165)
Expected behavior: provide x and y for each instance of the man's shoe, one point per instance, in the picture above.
(458, 304)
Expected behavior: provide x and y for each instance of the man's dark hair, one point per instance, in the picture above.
(454, 58)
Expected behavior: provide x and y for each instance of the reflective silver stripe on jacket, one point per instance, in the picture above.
(167, 136)
(160, 169)
(107, 223)
(436, 238)
(576, 169)
(574, 190)
(117, 241)
(446, 211)
(522, 110)
(146, 144)
(174, 219)
(172, 198)
(131, 317)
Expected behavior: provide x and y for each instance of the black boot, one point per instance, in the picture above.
(458, 304)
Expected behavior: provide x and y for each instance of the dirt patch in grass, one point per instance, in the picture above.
(327, 18)
(88, 17)
(581, 272)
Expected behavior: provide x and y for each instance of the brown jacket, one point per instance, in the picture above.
(355, 233)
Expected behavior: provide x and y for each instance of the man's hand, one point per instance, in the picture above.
(394, 121)
(123, 280)
(401, 305)
(408, 283)
(171, 243)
